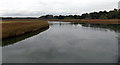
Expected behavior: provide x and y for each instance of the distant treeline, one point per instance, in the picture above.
(112, 14)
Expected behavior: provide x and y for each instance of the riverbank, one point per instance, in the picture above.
(16, 39)
(12, 28)
(95, 21)
(15, 27)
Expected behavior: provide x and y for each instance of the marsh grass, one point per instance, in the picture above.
(13, 40)
(15, 28)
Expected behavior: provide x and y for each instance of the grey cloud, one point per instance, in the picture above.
(119, 4)
(23, 14)
(55, 7)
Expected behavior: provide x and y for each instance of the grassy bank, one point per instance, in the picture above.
(13, 40)
(18, 27)
(15, 27)
(95, 21)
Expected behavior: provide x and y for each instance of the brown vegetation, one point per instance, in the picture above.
(19, 27)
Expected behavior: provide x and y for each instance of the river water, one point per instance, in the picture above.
(64, 42)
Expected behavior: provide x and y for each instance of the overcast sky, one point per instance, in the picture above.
(55, 7)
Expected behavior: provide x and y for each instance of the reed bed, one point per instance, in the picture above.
(12, 28)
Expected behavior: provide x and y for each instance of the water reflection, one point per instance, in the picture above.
(112, 27)
(13, 40)
(101, 27)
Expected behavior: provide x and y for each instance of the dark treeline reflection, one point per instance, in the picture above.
(112, 27)
(13, 40)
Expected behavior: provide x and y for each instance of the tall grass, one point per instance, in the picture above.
(19, 27)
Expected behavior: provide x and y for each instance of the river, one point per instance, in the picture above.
(64, 42)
